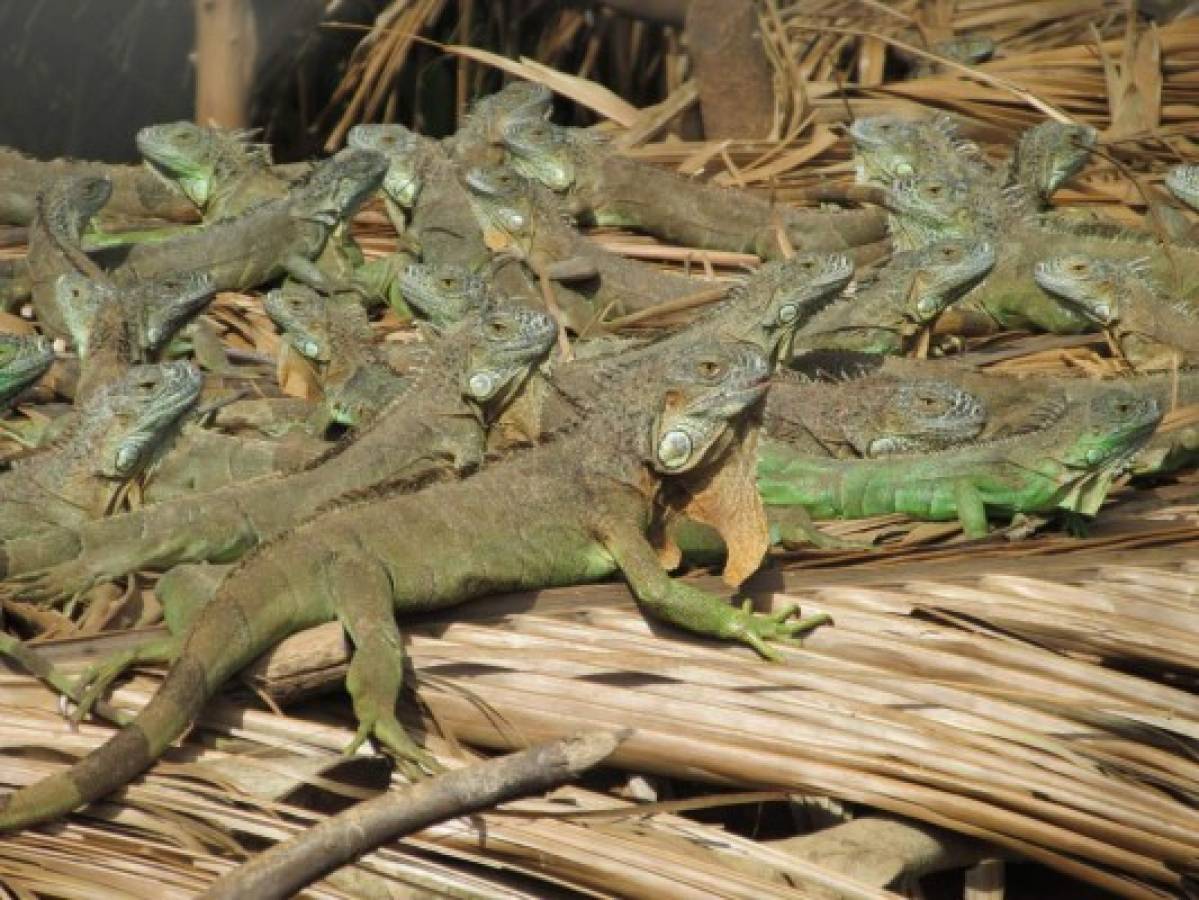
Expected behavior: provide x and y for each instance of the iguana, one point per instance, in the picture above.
(1183, 182)
(24, 358)
(904, 300)
(115, 328)
(870, 416)
(275, 238)
(114, 437)
(523, 218)
(935, 208)
(581, 507)
(356, 382)
(480, 139)
(137, 195)
(1069, 464)
(220, 171)
(55, 242)
(603, 187)
(431, 209)
(225, 176)
(969, 49)
(444, 294)
(1046, 157)
(439, 423)
(1149, 330)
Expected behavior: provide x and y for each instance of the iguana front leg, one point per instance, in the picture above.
(376, 673)
(972, 512)
(306, 272)
(697, 611)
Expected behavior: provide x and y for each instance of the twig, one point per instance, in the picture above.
(292, 864)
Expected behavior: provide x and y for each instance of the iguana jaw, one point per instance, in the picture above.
(514, 339)
(161, 395)
(1090, 286)
(689, 429)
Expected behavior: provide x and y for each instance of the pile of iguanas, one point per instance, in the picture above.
(525, 440)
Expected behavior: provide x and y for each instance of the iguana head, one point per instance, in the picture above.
(443, 295)
(71, 202)
(133, 416)
(311, 323)
(1113, 423)
(1183, 183)
(783, 295)
(153, 310)
(339, 185)
(403, 150)
(167, 304)
(519, 101)
(24, 358)
(546, 152)
(933, 207)
(941, 273)
(891, 147)
(966, 48)
(1096, 287)
(703, 389)
(503, 203)
(194, 156)
(507, 341)
(926, 414)
(1050, 154)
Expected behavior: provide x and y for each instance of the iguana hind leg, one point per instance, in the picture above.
(376, 673)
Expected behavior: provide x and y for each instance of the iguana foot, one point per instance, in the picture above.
(756, 629)
(56, 586)
(374, 681)
(94, 681)
(794, 525)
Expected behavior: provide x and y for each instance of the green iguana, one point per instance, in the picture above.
(272, 239)
(603, 187)
(439, 423)
(1183, 182)
(24, 358)
(115, 328)
(112, 439)
(1150, 331)
(582, 508)
(902, 303)
(1046, 157)
(356, 382)
(969, 49)
(1068, 464)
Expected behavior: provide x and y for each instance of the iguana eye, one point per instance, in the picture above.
(448, 282)
(499, 329)
(807, 265)
(711, 369)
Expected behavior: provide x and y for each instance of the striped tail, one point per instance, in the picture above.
(213, 652)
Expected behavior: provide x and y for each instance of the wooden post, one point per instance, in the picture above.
(226, 47)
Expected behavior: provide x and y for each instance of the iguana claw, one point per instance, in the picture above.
(56, 586)
(756, 629)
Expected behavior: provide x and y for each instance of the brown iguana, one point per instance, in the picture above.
(55, 242)
(480, 139)
(1149, 330)
(904, 300)
(936, 208)
(275, 238)
(137, 195)
(583, 508)
(524, 218)
(113, 438)
(335, 336)
(603, 187)
(115, 328)
(438, 424)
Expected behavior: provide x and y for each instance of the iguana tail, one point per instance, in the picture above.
(231, 636)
